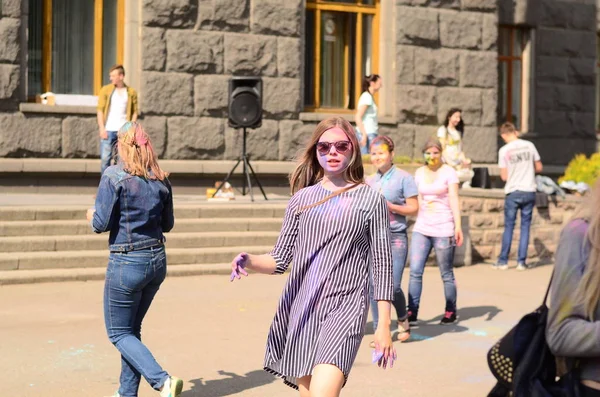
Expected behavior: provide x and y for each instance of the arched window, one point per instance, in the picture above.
(341, 47)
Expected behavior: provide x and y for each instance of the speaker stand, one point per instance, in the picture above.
(246, 177)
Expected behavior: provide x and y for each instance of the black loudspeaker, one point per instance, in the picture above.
(245, 102)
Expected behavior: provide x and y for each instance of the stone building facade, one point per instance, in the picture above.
(433, 55)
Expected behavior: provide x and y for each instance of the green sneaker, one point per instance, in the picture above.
(172, 387)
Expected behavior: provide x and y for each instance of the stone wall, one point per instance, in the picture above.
(486, 224)
(446, 56)
(483, 225)
(12, 33)
(52, 135)
(564, 73)
(190, 49)
(565, 87)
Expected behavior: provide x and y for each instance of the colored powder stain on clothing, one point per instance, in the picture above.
(399, 243)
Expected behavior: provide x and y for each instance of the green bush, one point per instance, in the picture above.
(582, 169)
(366, 158)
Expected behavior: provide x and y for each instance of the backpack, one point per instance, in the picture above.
(523, 364)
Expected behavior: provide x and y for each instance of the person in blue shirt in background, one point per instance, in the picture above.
(400, 191)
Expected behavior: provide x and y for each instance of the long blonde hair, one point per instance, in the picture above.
(136, 152)
(588, 292)
(308, 172)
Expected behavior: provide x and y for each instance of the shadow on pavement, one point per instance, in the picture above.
(225, 387)
(467, 313)
(426, 331)
(429, 329)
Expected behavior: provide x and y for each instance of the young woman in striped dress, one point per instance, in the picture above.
(335, 230)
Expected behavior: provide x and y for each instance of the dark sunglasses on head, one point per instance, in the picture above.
(340, 146)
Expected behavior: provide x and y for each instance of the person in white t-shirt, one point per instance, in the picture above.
(117, 104)
(450, 135)
(519, 161)
(367, 127)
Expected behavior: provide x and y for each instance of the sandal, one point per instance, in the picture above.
(403, 330)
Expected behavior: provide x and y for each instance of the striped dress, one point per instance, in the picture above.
(322, 312)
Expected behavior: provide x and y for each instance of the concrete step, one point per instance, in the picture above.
(182, 225)
(10, 277)
(99, 258)
(99, 241)
(202, 211)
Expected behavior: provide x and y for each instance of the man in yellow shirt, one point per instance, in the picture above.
(117, 104)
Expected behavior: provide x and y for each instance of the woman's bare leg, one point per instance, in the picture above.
(327, 381)
(304, 386)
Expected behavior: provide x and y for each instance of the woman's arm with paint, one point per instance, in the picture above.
(258, 263)
(383, 291)
(278, 260)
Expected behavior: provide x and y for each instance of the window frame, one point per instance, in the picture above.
(98, 42)
(359, 9)
(509, 61)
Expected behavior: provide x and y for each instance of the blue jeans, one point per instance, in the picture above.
(370, 137)
(514, 202)
(106, 150)
(399, 254)
(132, 280)
(420, 248)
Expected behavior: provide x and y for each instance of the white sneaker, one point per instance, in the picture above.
(172, 387)
(521, 266)
(500, 266)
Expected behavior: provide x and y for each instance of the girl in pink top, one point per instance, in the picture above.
(437, 226)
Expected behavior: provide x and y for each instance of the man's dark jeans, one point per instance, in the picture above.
(515, 201)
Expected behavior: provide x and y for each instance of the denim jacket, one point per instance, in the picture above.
(136, 211)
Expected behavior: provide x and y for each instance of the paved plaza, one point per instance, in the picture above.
(212, 334)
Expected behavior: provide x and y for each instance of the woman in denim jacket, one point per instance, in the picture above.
(135, 204)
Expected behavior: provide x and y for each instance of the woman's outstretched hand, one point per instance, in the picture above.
(384, 353)
(238, 265)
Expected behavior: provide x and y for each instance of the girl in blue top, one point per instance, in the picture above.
(400, 191)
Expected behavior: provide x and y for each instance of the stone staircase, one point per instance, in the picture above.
(56, 242)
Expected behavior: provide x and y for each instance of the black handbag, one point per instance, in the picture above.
(523, 364)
